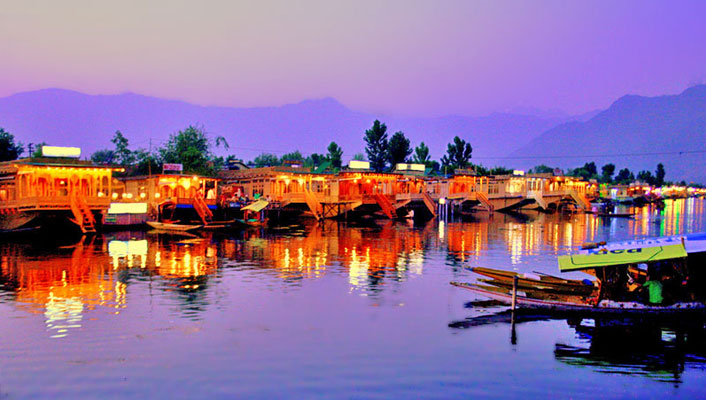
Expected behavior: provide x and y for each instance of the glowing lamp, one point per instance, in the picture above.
(355, 164)
(56, 151)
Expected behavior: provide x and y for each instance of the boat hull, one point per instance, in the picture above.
(172, 227)
(10, 222)
(603, 307)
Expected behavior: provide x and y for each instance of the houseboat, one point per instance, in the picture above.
(186, 198)
(53, 189)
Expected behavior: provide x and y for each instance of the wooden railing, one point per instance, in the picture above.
(54, 203)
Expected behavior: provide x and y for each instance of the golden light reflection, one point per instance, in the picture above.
(83, 278)
(77, 280)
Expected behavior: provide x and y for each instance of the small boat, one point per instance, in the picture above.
(523, 300)
(173, 227)
(215, 225)
(546, 283)
(617, 272)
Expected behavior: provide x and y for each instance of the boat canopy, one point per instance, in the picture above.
(693, 242)
(256, 206)
(598, 258)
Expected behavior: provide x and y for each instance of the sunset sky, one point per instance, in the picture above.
(401, 57)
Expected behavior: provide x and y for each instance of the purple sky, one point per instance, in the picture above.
(401, 57)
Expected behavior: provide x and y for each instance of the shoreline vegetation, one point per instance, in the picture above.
(193, 148)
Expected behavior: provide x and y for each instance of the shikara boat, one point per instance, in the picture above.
(173, 227)
(535, 282)
(610, 293)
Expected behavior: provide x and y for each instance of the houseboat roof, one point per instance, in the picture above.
(160, 176)
(267, 172)
(600, 258)
(10, 167)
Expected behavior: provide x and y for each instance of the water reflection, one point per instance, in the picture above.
(656, 349)
(368, 256)
(659, 349)
(63, 284)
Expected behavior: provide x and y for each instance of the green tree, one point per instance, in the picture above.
(190, 148)
(315, 159)
(659, 175)
(123, 154)
(624, 176)
(646, 177)
(266, 160)
(501, 171)
(295, 156)
(398, 149)
(359, 157)
(607, 172)
(458, 154)
(421, 154)
(591, 168)
(146, 163)
(377, 146)
(37, 150)
(104, 156)
(9, 150)
(541, 169)
(334, 155)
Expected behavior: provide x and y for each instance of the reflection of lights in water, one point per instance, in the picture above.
(63, 314)
(416, 262)
(358, 269)
(568, 234)
(514, 235)
(128, 250)
(442, 228)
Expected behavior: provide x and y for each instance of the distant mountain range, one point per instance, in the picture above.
(528, 137)
(635, 132)
(63, 117)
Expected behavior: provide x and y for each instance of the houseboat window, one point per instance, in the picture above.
(165, 191)
(61, 187)
(42, 187)
(180, 191)
(3, 195)
(85, 187)
(104, 184)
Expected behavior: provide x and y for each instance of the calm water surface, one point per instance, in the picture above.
(329, 311)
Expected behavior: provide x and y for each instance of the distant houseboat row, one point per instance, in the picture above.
(51, 191)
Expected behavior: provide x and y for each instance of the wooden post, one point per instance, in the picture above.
(514, 292)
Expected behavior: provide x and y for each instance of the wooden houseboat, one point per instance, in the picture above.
(550, 192)
(47, 191)
(169, 196)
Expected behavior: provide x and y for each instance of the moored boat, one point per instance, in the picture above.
(165, 226)
(618, 273)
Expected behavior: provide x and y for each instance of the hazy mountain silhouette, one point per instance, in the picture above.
(632, 124)
(63, 117)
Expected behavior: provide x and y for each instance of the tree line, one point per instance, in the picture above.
(192, 148)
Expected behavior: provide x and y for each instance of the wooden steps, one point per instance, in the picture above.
(314, 205)
(539, 199)
(202, 209)
(385, 204)
(429, 202)
(485, 201)
(580, 199)
(83, 217)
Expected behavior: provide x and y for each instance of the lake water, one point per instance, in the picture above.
(326, 311)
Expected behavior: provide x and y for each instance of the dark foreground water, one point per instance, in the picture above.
(327, 311)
